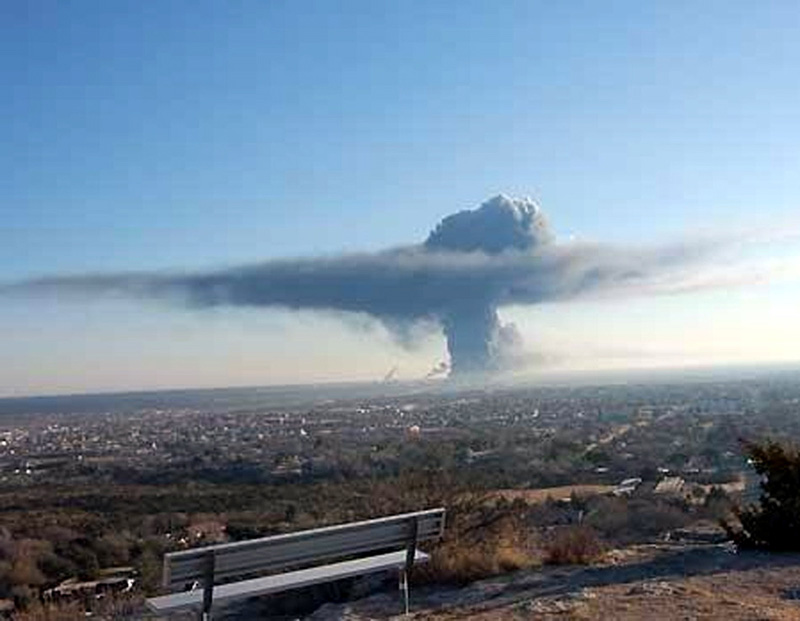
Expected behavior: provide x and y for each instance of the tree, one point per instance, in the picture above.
(774, 523)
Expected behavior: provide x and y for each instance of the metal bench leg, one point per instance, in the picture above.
(208, 587)
(411, 551)
(404, 589)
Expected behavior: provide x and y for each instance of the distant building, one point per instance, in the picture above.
(413, 431)
(626, 487)
(670, 485)
(111, 580)
(476, 455)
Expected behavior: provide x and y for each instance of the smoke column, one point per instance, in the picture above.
(470, 333)
(501, 225)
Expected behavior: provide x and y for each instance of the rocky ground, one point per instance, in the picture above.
(659, 582)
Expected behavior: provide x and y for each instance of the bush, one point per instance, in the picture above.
(630, 520)
(773, 524)
(69, 611)
(574, 545)
(718, 505)
(461, 564)
(481, 540)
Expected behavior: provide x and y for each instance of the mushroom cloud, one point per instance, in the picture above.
(472, 263)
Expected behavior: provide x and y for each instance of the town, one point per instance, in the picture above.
(92, 498)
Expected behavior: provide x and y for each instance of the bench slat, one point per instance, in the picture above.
(316, 532)
(284, 582)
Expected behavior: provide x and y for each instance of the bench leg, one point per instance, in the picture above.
(411, 550)
(404, 589)
(208, 587)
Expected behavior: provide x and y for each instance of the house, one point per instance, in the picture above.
(670, 485)
(626, 487)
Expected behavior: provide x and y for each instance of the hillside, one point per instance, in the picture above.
(657, 581)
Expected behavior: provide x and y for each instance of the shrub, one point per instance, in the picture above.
(774, 523)
(574, 545)
(718, 505)
(107, 608)
(460, 564)
(481, 540)
(628, 520)
(69, 611)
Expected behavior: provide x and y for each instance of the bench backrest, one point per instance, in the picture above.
(272, 554)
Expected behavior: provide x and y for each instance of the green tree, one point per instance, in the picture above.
(774, 523)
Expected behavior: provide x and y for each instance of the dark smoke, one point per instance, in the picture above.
(472, 263)
(472, 326)
(470, 330)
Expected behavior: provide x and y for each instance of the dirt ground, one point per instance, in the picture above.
(701, 582)
(659, 582)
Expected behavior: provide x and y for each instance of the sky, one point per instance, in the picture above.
(193, 135)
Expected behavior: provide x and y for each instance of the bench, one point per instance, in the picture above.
(234, 571)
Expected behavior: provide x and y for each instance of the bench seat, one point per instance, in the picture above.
(286, 581)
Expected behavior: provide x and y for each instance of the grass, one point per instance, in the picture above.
(574, 545)
(481, 540)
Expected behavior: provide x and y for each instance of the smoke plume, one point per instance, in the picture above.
(472, 326)
(472, 263)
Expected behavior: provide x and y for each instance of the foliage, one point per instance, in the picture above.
(773, 524)
(573, 545)
(627, 520)
(482, 539)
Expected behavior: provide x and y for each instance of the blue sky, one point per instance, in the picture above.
(195, 134)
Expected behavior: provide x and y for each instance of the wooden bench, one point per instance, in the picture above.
(234, 571)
